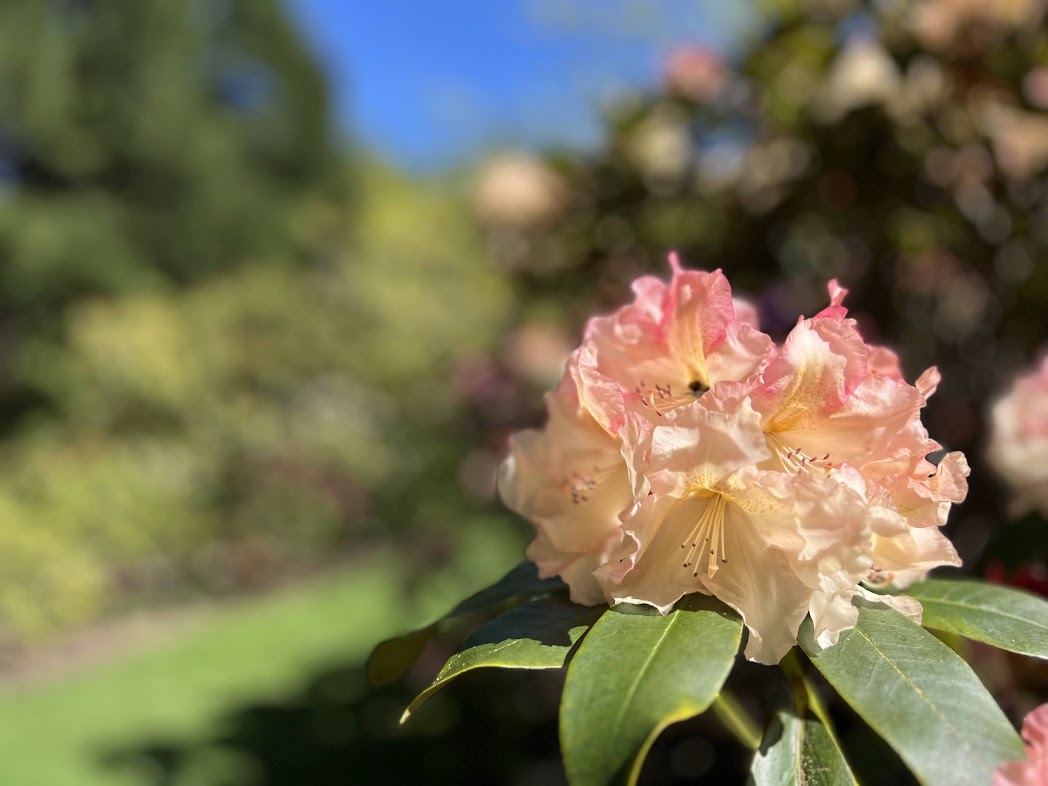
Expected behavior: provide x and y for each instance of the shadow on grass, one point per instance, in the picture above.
(491, 726)
(339, 730)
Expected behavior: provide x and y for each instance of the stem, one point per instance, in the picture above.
(736, 720)
(798, 684)
(804, 693)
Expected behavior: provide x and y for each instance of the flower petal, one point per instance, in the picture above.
(819, 365)
(906, 558)
(701, 448)
(571, 479)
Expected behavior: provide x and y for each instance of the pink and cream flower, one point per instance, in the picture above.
(685, 452)
(828, 408)
(669, 346)
(573, 480)
(774, 546)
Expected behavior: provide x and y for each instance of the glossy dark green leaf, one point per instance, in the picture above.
(1000, 616)
(799, 752)
(920, 696)
(634, 674)
(536, 635)
(393, 658)
(521, 582)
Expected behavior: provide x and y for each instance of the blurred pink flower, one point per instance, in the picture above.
(939, 24)
(1019, 138)
(695, 72)
(537, 351)
(1018, 447)
(517, 190)
(1035, 86)
(1033, 770)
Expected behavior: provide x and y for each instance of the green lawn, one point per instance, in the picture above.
(53, 733)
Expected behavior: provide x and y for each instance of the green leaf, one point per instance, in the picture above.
(392, 659)
(634, 674)
(521, 582)
(798, 752)
(536, 635)
(1006, 618)
(920, 696)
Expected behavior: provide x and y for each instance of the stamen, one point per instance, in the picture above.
(661, 398)
(709, 529)
(579, 486)
(794, 459)
(878, 577)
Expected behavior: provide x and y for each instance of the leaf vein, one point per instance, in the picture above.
(968, 606)
(956, 732)
(799, 742)
(628, 698)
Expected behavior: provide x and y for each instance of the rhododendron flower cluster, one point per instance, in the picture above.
(686, 452)
(1018, 446)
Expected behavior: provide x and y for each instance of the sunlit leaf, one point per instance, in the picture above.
(1004, 617)
(536, 635)
(392, 659)
(920, 696)
(634, 674)
(798, 752)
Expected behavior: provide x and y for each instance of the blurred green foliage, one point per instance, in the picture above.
(228, 352)
(218, 436)
(150, 142)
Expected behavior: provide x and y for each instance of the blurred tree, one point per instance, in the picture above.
(150, 143)
(261, 422)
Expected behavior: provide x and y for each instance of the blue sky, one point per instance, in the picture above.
(430, 83)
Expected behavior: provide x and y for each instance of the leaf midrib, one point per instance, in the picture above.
(628, 700)
(956, 732)
(799, 761)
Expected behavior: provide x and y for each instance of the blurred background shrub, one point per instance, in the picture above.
(218, 367)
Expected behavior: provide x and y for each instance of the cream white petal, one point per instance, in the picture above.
(700, 448)
(907, 557)
(758, 582)
(576, 569)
